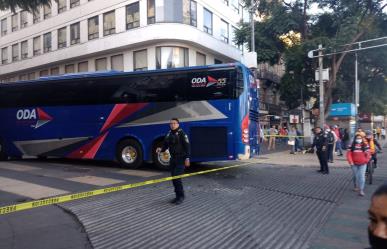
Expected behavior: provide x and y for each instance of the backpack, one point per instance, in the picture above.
(331, 138)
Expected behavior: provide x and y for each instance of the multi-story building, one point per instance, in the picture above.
(71, 36)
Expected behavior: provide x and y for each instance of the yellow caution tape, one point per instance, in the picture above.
(87, 194)
(282, 136)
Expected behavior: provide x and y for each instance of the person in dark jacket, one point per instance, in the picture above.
(177, 142)
(320, 141)
(377, 228)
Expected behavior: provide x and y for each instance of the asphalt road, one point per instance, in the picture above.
(260, 205)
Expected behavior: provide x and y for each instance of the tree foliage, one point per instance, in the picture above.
(344, 22)
(29, 5)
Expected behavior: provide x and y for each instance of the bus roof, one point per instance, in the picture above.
(120, 73)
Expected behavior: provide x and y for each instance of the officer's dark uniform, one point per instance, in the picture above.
(179, 147)
(321, 142)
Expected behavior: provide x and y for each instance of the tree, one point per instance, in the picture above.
(29, 5)
(347, 21)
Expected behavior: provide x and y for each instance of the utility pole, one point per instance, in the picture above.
(252, 7)
(356, 92)
(321, 84)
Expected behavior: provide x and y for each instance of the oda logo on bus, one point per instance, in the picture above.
(35, 117)
(208, 81)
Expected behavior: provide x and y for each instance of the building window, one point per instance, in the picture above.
(216, 61)
(24, 50)
(31, 76)
(62, 37)
(23, 19)
(43, 73)
(133, 15)
(101, 64)
(151, 11)
(117, 62)
(37, 46)
(54, 71)
(140, 60)
(15, 52)
(4, 55)
(23, 77)
(235, 5)
(46, 11)
(109, 23)
(47, 42)
(207, 25)
(200, 59)
(36, 16)
(224, 31)
(74, 33)
(74, 3)
(62, 6)
(4, 26)
(70, 68)
(171, 57)
(93, 26)
(83, 66)
(193, 13)
(15, 22)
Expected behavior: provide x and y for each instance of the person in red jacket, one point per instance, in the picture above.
(358, 156)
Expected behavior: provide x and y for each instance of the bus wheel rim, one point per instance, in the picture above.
(164, 161)
(129, 154)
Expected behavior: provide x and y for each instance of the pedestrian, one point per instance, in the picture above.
(320, 141)
(292, 140)
(272, 135)
(358, 156)
(383, 132)
(176, 141)
(345, 139)
(360, 132)
(338, 150)
(331, 137)
(299, 145)
(377, 228)
(378, 132)
(373, 145)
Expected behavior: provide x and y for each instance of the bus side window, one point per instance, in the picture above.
(239, 83)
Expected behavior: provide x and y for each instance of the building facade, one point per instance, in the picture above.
(71, 36)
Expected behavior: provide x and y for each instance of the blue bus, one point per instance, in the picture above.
(124, 116)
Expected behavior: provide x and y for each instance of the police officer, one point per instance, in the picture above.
(179, 147)
(320, 141)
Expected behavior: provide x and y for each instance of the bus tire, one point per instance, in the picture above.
(158, 159)
(3, 155)
(129, 154)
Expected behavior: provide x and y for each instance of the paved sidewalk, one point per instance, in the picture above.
(346, 227)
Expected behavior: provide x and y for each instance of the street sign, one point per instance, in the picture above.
(294, 119)
(325, 75)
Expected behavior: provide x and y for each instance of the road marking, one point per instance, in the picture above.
(18, 167)
(81, 195)
(27, 189)
(94, 180)
(141, 173)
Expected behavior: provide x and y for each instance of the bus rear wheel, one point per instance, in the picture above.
(161, 160)
(129, 154)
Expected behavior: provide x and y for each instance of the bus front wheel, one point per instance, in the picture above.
(129, 154)
(161, 160)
